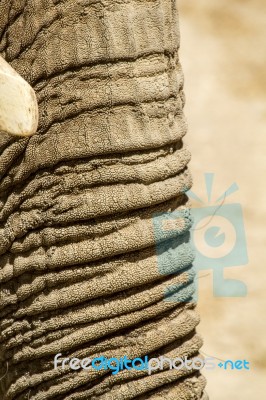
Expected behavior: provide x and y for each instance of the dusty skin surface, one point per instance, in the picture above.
(223, 57)
(79, 253)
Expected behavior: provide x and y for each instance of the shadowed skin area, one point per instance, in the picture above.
(79, 262)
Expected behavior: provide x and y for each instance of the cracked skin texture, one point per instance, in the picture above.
(79, 267)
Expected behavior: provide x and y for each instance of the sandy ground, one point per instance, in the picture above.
(223, 53)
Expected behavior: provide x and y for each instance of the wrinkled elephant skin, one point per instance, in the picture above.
(79, 267)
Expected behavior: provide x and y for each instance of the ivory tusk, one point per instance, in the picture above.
(18, 103)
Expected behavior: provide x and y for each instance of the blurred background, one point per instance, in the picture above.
(223, 54)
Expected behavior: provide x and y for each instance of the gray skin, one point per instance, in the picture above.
(85, 270)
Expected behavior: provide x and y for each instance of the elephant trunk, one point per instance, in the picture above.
(85, 271)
